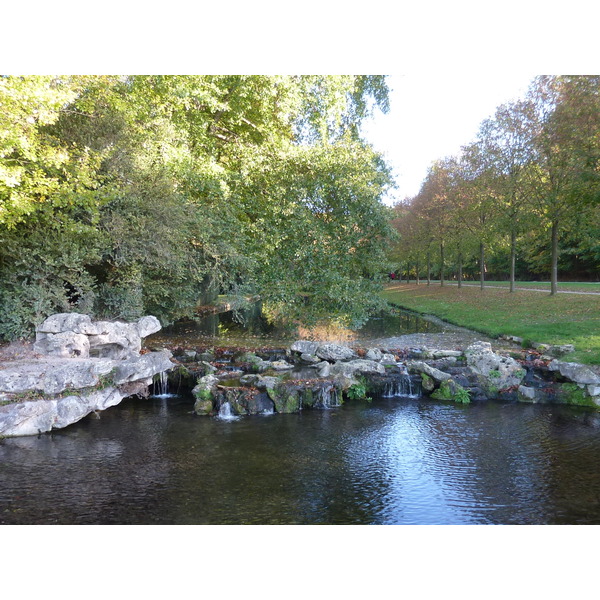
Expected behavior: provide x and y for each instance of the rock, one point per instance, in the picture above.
(374, 354)
(500, 372)
(333, 352)
(388, 359)
(73, 322)
(75, 335)
(417, 366)
(65, 344)
(310, 359)
(304, 347)
(34, 417)
(593, 390)
(144, 366)
(53, 376)
(575, 372)
(528, 394)
(427, 383)
(324, 369)
(280, 365)
(204, 393)
(86, 366)
(356, 366)
(445, 353)
(147, 326)
(264, 383)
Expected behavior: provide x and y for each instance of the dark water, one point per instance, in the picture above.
(251, 328)
(394, 461)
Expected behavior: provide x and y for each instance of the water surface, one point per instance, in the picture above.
(394, 461)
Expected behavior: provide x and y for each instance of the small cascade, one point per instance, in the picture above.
(402, 387)
(225, 413)
(161, 385)
(327, 397)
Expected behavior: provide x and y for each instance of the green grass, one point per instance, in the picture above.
(561, 319)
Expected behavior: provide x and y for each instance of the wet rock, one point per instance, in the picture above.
(417, 366)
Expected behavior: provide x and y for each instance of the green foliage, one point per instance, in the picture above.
(126, 195)
(358, 391)
(450, 390)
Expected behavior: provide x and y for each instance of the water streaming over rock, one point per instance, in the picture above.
(327, 396)
(402, 387)
(225, 413)
(161, 385)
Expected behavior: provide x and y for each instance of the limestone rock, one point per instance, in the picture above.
(356, 366)
(304, 347)
(65, 344)
(388, 359)
(499, 371)
(575, 372)
(333, 352)
(141, 367)
(418, 366)
(280, 365)
(34, 417)
(374, 354)
(310, 359)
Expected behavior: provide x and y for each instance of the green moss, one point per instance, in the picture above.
(494, 374)
(571, 393)
(450, 390)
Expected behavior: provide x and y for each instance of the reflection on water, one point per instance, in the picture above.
(250, 328)
(389, 462)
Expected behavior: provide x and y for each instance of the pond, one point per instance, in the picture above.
(391, 461)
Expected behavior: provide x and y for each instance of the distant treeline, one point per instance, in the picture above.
(522, 201)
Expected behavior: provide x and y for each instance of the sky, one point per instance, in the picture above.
(432, 115)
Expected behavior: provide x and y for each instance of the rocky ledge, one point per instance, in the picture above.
(321, 375)
(78, 367)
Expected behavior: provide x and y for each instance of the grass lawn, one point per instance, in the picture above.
(561, 319)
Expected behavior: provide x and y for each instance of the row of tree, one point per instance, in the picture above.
(130, 195)
(522, 199)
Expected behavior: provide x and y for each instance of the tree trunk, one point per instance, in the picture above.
(513, 259)
(460, 267)
(407, 272)
(417, 273)
(428, 268)
(442, 263)
(482, 264)
(554, 268)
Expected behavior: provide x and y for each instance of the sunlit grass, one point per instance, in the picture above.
(561, 319)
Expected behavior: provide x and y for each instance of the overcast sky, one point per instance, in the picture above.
(432, 115)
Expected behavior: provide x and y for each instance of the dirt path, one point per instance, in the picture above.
(517, 288)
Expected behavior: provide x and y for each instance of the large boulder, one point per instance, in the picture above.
(304, 347)
(333, 352)
(496, 371)
(575, 372)
(69, 335)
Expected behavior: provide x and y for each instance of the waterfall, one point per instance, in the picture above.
(327, 397)
(225, 413)
(402, 387)
(161, 385)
